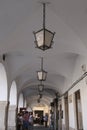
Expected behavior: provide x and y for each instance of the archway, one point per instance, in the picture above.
(13, 94)
(12, 107)
(25, 103)
(3, 83)
(3, 96)
(20, 102)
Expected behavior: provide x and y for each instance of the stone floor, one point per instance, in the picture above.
(40, 127)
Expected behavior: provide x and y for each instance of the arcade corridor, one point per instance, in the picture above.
(43, 62)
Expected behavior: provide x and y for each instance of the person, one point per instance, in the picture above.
(42, 120)
(46, 119)
(19, 121)
(31, 121)
(26, 121)
(51, 120)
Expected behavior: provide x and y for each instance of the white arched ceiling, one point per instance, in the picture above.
(29, 91)
(45, 100)
(21, 101)
(13, 94)
(73, 13)
(58, 77)
(3, 84)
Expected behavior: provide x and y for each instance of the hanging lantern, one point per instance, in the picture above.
(44, 37)
(42, 74)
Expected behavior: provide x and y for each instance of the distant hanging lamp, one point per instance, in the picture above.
(40, 87)
(40, 95)
(42, 74)
(44, 37)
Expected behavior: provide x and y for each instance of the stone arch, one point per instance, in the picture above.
(12, 106)
(3, 83)
(21, 100)
(3, 96)
(13, 94)
(25, 103)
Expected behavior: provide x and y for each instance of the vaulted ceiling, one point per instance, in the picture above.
(18, 20)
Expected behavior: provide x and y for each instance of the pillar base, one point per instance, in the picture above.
(3, 105)
(12, 117)
(11, 127)
(71, 128)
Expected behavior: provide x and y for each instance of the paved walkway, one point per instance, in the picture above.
(39, 127)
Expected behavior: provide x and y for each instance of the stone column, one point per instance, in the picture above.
(60, 117)
(3, 106)
(52, 106)
(12, 117)
(52, 112)
(56, 114)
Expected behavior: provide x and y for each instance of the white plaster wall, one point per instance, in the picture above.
(78, 68)
(3, 83)
(71, 114)
(84, 104)
(13, 94)
(83, 90)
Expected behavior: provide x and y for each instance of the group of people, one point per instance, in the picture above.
(42, 120)
(25, 121)
(45, 120)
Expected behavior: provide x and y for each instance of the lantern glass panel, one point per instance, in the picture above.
(42, 75)
(44, 39)
(48, 38)
(40, 38)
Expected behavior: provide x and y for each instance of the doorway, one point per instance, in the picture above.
(78, 110)
(38, 116)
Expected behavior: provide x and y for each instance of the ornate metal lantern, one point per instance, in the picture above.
(44, 37)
